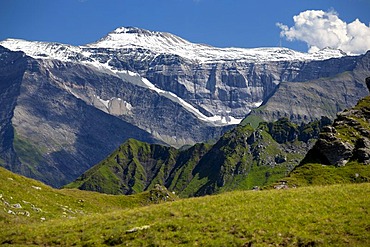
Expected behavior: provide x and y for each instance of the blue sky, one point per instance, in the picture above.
(221, 23)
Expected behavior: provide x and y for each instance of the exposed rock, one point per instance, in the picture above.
(24, 213)
(281, 186)
(368, 83)
(348, 139)
(314, 97)
(336, 151)
(363, 150)
(17, 205)
(84, 106)
(138, 228)
(256, 188)
(36, 209)
(160, 194)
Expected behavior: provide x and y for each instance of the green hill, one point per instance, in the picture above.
(243, 158)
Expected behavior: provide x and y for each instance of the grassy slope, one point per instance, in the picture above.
(318, 174)
(42, 201)
(334, 215)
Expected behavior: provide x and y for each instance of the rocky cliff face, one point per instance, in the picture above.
(13, 66)
(223, 85)
(46, 132)
(322, 96)
(348, 139)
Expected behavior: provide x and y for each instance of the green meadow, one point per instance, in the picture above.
(334, 215)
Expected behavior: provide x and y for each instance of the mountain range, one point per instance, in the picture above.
(67, 107)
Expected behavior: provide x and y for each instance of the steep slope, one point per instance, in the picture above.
(243, 158)
(342, 153)
(71, 106)
(137, 166)
(13, 66)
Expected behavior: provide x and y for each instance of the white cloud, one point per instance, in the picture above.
(320, 29)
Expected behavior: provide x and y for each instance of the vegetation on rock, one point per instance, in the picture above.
(342, 153)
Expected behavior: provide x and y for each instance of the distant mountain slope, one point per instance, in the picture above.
(218, 85)
(46, 133)
(316, 97)
(243, 158)
(342, 153)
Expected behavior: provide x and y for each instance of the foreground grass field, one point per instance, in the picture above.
(336, 215)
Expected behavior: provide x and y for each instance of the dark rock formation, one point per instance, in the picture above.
(348, 139)
(368, 83)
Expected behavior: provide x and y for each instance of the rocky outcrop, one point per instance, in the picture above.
(348, 139)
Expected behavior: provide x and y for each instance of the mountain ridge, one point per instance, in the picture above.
(163, 42)
(241, 159)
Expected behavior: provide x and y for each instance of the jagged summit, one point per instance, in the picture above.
(140, 32)
(132, 37)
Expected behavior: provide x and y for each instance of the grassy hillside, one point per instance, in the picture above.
(319, 174)
(24, 200)
(309, 216)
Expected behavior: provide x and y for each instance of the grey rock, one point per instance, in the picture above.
(348, 139)
(17, 205)
(305, 100)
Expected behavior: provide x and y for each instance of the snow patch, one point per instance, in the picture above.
(257, 104)
(105, 102)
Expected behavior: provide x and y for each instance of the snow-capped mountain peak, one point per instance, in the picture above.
(167, 43)
(124, 44)
(164, 43)
(132, 37)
